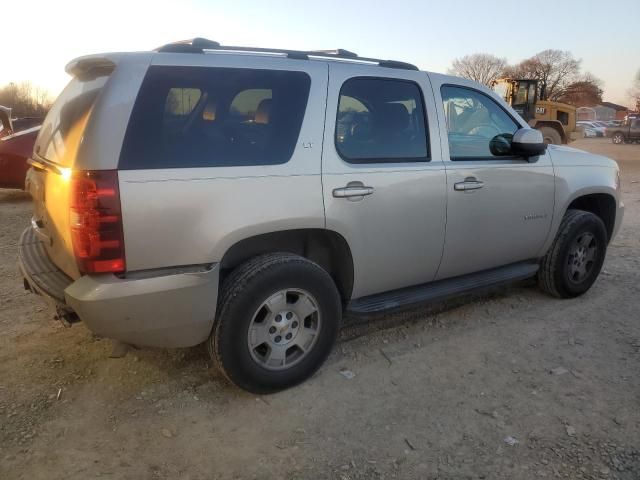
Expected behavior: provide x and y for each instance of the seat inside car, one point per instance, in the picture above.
(263, 112)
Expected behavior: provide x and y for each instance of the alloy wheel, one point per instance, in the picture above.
(284, 329)
(582, 256)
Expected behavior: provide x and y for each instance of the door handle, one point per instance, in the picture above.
(468, 184)
(353, 190)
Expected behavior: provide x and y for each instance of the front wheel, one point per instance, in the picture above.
(575, 258)
(278, 318)
(617, 138)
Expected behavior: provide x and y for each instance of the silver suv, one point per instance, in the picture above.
(248, 197)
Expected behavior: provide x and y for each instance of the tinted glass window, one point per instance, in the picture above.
(381, 120)
(521, 95)
(473, 120)
(204, 117)
(563, 118)
(62, 129)
(182, 101)
(246, 103)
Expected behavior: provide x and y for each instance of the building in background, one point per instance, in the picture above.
(604, 111)
(585, 114)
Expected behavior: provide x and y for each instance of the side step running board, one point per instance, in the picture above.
(441, 290)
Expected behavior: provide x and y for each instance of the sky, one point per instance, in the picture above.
(45, 35)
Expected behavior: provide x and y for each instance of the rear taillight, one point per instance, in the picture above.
(96, 221)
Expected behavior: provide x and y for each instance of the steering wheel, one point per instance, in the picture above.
(485, 130)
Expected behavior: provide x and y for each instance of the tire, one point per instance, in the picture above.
(567, 271)
(291, 286)
(551, 136)
(617, 138)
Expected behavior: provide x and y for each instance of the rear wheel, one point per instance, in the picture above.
(575, 258)
(617, 138)
(278, 318)
(551, 136)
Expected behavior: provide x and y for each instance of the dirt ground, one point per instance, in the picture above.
(513, 386)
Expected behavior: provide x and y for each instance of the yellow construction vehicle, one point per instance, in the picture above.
(556, 121)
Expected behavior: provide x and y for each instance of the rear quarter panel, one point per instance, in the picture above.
(189, 216)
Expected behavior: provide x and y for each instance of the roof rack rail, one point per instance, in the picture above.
(338, 52)
(199, 45)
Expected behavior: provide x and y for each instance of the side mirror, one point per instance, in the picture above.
(500, 145)
(528, 142)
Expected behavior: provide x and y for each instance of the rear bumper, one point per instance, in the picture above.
(40, 274)
(168, 308)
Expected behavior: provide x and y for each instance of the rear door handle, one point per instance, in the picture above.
(468, 184)
(353, 190)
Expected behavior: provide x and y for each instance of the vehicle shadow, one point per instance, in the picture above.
(355, 327)
(195, 364)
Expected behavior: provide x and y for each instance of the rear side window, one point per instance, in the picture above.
(182, 101)
(210, 117)
(245, 104)
(62, 130)
(381, 121)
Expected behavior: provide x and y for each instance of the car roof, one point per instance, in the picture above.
(203, 46)
(199, 46)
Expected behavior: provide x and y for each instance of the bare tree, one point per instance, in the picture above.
(634, 91)
(25, 100)
(586, 91)
(479, 67)
(555, 70)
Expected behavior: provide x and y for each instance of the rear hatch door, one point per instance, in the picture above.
(54, 156)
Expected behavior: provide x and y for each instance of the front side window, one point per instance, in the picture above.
(381, 121)
(210, 117)
(473, 121)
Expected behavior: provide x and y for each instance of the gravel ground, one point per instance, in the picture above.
(513, 386)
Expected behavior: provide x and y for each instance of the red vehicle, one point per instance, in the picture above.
(15, 149)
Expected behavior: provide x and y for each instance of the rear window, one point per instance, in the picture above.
(62, 129)
(209, 117)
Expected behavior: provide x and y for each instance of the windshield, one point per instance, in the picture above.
(502, 89)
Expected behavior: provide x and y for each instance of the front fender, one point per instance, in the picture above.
(575, 181)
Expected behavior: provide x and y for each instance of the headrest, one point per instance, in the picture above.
(263, 112)
(209, 112)
(392, 117)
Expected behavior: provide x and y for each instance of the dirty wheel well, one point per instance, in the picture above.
(324, 247)
(600, 204)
